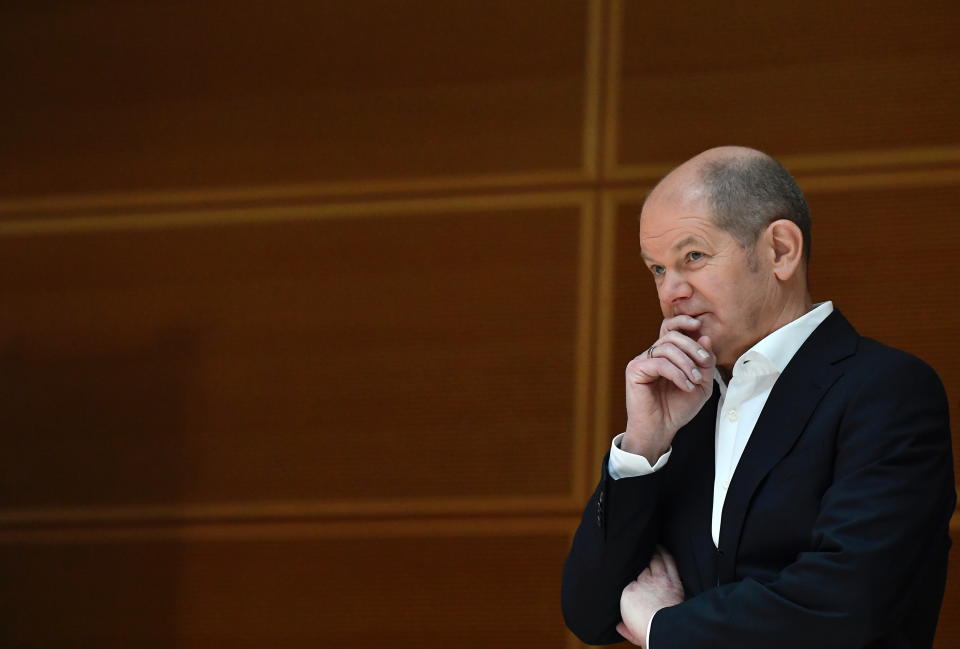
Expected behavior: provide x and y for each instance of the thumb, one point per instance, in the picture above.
(625, 632)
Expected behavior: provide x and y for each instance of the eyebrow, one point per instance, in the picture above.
(683, 243)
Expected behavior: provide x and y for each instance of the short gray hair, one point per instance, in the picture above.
(747, 193)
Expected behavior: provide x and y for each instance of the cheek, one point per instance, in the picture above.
(664, 306)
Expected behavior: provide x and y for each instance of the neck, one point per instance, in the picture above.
(787, 313)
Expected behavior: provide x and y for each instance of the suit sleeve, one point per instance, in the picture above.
(612, 545)
(879, 541)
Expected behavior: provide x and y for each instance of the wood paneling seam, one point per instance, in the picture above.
(546, 525)
(612, 99)
(455, 185)
(592, 79)
(584, 352)
(265, 214)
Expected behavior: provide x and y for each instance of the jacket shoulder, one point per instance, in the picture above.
(889, 363)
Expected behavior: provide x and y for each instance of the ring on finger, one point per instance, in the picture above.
(650, 351)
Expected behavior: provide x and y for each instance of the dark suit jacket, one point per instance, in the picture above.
(835, 528)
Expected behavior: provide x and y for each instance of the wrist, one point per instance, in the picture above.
(650, 446)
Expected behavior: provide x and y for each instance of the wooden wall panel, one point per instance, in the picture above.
(786, 77)
(292, 593)
(635, 313)
(280, 345)
(107, 96)
(883, 256)
(428, 354)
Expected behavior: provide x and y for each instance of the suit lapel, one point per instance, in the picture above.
(793, 399)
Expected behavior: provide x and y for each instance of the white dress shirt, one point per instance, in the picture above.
(753, 377)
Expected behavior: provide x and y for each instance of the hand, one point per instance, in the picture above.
(657, 587)
(666, 386)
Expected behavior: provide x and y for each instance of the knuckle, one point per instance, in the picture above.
(634, 362)
(680, 340)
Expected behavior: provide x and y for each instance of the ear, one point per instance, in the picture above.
(786, 245)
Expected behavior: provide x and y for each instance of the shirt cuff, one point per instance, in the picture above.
(623, 464)
(649, 626)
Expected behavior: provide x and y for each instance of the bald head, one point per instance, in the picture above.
(744, 189)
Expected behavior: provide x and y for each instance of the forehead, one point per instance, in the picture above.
(666, 225)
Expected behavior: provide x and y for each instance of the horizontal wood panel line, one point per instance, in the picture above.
(259, 214)
(446, 187)
(879, 180)
(539, 525)
(836, 162)
(543, 525)
(827, 183)
(262, 214)
(303, 191)
(401, 508)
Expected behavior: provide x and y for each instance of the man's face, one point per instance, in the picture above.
(702, 271)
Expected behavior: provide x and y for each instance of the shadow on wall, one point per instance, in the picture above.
(90, 421)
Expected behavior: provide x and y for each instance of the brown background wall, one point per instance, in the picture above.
(314, 314)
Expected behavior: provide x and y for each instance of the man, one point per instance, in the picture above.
(802, 501)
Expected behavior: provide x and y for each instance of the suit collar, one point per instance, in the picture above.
(774, 351)
(798, 390)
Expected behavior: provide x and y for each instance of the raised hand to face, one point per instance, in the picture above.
(666, 386)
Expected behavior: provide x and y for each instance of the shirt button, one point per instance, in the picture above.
(732, 415)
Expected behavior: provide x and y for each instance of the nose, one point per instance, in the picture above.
(673, 289)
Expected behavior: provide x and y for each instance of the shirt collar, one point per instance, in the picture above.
(771, 354)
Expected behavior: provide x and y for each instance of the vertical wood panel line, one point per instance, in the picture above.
(604, 329)
(584, 348)
(611, 122)
(607, 247)
(593, 101)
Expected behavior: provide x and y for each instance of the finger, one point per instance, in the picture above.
(656, 566)
(643, 369)
(692, 348)
(625, 632)
(680, 358)
(679, 323)
(666, 369)
(670, 564)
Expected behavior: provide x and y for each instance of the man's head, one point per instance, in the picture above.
(727, 237)
(748, 190)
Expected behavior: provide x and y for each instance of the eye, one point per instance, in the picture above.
(657, 270)
(694, 255)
